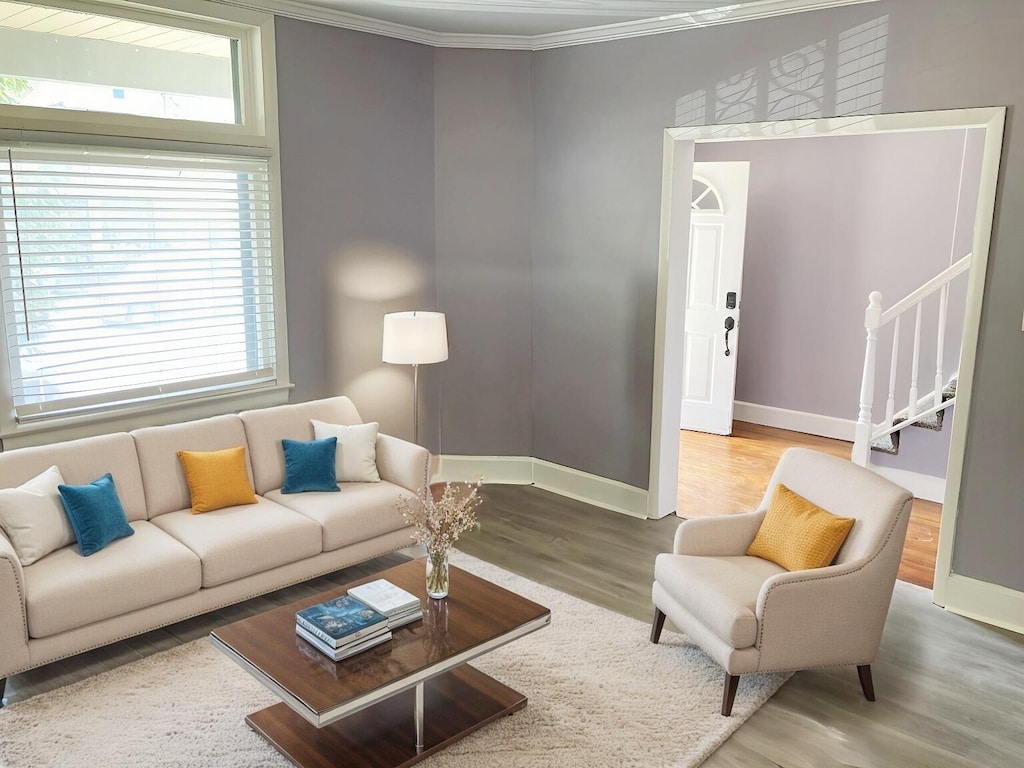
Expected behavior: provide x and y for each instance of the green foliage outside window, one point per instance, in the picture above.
(12, 89)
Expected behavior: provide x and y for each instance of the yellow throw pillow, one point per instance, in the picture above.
(217, 479)
(798, 535)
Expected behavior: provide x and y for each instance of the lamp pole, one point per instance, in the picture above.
(416, 403)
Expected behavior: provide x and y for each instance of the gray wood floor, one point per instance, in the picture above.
(950, 691)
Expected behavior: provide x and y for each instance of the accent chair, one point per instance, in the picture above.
(752, 615)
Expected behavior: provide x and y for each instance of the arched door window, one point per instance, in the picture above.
(705, 197)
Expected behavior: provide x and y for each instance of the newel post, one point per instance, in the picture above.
(872, 321)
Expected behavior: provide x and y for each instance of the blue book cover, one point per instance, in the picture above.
(342, 617)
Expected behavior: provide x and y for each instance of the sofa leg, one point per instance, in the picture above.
(3, 687)
(866, 684)
(656, 627)
(729, 693)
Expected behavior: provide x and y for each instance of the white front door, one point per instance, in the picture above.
(718, 223)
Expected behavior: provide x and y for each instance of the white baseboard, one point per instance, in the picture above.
(979, 600)
(565, 481)
(795, 421)
(509, 470)
(593, 489)
(927, 487)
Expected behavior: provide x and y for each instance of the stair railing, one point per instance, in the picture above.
(875, 319)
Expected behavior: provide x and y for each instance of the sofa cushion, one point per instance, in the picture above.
(33, 517)
(235, 542)
(217, 479)
(360, 512)
(95, 513)
(721, 592)
(65, 590)
(266, 427)
(356, 461)
(82, 461)
(309, 465)
(166, 487)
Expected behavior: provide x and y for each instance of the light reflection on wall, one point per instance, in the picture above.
(367, 280)
(844, 75)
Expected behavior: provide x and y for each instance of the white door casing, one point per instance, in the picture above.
(718, 221)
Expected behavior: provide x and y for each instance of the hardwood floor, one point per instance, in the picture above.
(726, 475)
(950, 691)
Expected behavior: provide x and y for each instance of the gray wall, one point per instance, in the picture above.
(830, 220)
(483, 155)
(599, 115)
(357, 164)
(595, 245)
(357, 149)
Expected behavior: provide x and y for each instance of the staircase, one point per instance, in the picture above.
(925, 410)
(890, 443)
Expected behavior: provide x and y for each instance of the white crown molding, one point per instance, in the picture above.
(726, 15)
(762, 9)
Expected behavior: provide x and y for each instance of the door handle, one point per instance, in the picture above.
(730, 323)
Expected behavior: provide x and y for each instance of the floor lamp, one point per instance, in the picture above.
(415, 338)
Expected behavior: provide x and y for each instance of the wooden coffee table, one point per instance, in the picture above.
(394, 704)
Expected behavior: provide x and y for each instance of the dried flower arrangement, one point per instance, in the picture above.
(438, 523)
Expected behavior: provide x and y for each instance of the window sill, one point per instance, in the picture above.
(15, 435)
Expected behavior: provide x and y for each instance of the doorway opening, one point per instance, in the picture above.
(679, 157)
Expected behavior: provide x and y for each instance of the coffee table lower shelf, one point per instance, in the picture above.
(455, 703)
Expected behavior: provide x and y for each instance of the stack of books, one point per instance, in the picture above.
(342, 627)
(399, 606)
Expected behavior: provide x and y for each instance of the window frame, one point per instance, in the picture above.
(255, 136)
(257, 94)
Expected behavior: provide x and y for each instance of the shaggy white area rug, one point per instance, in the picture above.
(600, 695)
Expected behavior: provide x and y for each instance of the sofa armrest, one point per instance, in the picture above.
(723, 536)
(401, 462)
(14, 625)
(824, 616)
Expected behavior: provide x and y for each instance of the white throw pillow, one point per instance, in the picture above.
(33, 517)
(356, 460)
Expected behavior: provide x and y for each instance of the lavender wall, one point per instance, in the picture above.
(830, 220)
(357, 160)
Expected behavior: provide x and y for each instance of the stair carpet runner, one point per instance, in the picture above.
(891, 443)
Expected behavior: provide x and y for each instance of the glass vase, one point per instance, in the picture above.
(437, 573)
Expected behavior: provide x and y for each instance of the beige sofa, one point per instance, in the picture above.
(177, 564)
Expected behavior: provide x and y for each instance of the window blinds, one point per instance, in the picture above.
(129, 276)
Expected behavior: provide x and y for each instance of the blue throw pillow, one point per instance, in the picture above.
(95, 513)
(310, 466)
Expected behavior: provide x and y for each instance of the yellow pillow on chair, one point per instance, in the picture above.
(217, 479)
(797, 534)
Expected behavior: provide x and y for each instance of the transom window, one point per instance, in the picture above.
(74, 60)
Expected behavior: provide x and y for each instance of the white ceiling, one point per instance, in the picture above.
(529, 24)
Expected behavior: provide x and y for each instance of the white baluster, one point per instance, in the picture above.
(912, 405)
(890, 403)
(940, 344)
(872, 319)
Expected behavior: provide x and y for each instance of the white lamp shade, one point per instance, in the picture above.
(415, 338)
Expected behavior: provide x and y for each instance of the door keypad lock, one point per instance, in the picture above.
(730, 300)
(730, 323)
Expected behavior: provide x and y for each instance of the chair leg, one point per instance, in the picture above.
(658, 625)
(866, 684)
(729, 693)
